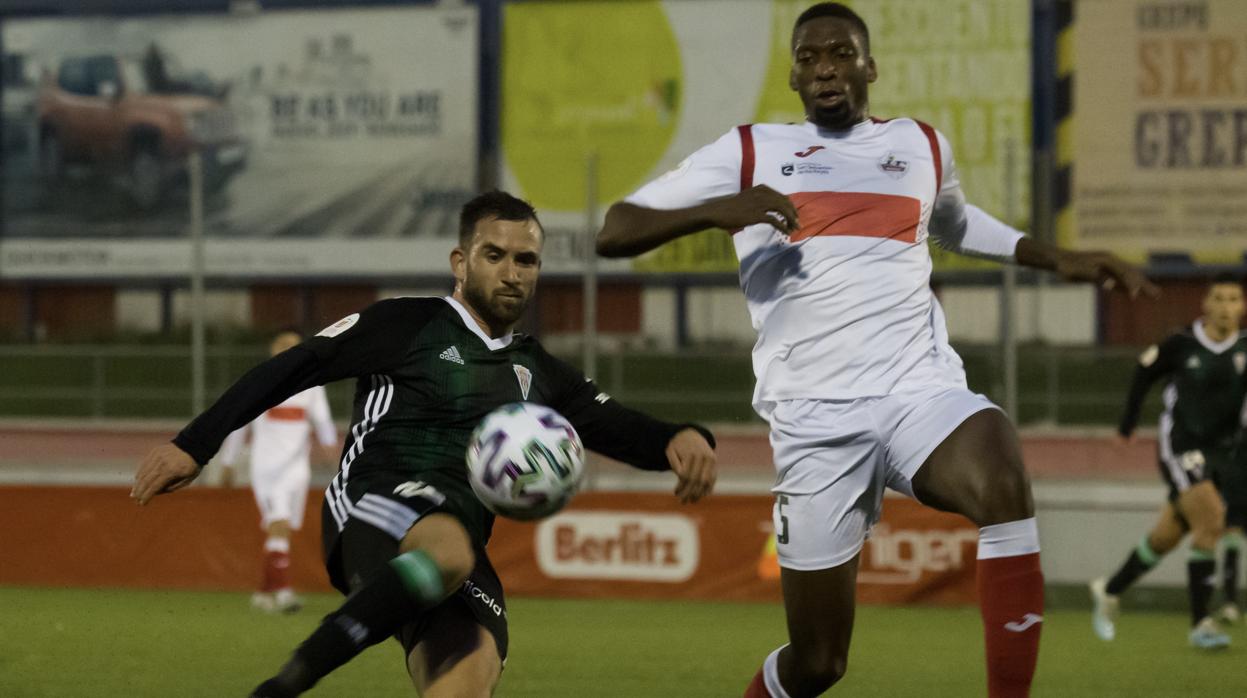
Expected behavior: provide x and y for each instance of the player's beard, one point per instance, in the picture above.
(494, 310)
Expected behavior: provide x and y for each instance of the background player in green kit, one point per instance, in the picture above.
(1205, 367)
(403, 533)
(1231, 481)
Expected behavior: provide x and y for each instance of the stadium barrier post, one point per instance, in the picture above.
(195, 168)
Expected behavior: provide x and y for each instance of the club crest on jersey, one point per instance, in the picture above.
(892, 167)
(1192, 363)
(1240, 362)
(525, 378)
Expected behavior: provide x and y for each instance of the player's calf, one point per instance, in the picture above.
(977, 472)
(395, 594)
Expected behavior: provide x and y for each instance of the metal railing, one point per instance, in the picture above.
(1057, 385)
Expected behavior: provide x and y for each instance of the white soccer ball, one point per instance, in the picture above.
(525, 461)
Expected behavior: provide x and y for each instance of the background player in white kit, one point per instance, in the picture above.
(854, 370)
(280, 474)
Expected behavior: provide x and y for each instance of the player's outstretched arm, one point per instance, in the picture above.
(1105, 268)
(369, 342)
(633, 437)
(630, 230)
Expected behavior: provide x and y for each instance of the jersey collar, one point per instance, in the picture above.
(1214, 347)
(470, 323)
(854, 130)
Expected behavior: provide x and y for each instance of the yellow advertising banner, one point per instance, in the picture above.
(642, 84)
(1160, 128)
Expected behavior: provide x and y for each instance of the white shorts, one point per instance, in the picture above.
(834, 457)
(281, 493)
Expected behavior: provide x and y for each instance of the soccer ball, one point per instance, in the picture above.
(524, 461)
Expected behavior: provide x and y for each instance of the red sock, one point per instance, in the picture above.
(1011, 600)
(757, 687)
(276, 570)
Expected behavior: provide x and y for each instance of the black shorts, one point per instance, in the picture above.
(367, 542)
(1231, 482)
(1236, 514)
(1182, 470)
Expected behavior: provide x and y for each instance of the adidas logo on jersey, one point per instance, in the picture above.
(451, 354)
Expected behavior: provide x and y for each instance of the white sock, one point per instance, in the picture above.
(1009, 539)
(276, 544)
(770, 675)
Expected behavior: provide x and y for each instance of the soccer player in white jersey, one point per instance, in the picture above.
(280, 473)
(854, 370)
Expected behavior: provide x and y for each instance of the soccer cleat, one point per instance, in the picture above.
(1207, 636)
(1229, 614)
(286, 601)
(1104, 610)
(263, 601)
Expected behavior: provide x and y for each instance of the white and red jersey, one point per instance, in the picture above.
(843, 307)
(279, 436)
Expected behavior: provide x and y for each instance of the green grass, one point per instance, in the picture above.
(147, 643)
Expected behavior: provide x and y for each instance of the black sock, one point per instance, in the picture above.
(395, 595)
(1140, 561)
(1229, 575)
(1201, 574)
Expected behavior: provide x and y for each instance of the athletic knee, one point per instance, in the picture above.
(1001, 496)
(1163, 543)
(1208, 525)
(446, 542)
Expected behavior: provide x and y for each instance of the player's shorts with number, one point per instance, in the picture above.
(281, 491)
(835, 457)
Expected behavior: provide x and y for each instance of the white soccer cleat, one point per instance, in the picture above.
(263, 601)
(1207, 635)
(286, 601)
(1229, 614)
(1104, 610)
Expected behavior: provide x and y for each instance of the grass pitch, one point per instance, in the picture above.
(147, 643)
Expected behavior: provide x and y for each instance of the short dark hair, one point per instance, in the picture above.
(837, 10)
(493, 204)
(1225, 277)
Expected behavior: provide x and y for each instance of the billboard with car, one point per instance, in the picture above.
(333, 142)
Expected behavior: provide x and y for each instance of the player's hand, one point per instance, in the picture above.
(759, 204)
(693, 461)
(166, 468)
(1106, 269)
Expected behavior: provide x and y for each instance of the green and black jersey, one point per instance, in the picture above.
(426, 377)
(1203, 399)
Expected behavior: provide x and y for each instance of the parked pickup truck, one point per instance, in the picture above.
(105, 111)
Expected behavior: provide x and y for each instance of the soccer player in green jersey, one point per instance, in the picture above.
(403, 533)
(1205, 366)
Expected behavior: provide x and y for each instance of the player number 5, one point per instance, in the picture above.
(782, 536)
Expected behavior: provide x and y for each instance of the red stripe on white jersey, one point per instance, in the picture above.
(746, 156)
(935, 154)
(858, 214)
(287, 414)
